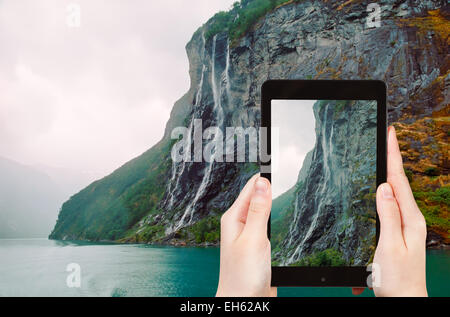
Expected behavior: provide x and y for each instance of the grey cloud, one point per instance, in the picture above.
(296, 123)
(93, 97)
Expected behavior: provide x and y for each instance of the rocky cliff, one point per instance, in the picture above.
(152, 199)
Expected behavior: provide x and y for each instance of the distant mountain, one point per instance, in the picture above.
(70, 181)
(29, 201)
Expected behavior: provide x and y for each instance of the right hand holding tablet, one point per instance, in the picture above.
(400, 253)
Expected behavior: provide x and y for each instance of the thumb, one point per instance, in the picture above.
(389, 214)
(259, 209)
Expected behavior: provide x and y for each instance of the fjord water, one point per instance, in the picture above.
(37, 267)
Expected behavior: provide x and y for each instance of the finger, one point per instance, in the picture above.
(240, 206)
(389, 214)
(273, 292)
(259, 210)
(233, 220)
(410, 213)
(357, 290)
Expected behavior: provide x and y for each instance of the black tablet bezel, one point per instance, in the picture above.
(324, 90)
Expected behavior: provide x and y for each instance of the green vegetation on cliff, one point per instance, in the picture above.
(424, 145)
(281, 204)
(241, 17)
(328, 257)
(206, 230)
(107, 208)
(281, 217)
(434, 206)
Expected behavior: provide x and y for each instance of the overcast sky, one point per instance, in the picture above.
(90, 98)
(296, 124)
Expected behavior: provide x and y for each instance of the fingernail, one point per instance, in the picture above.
(386, 191)
(261, 185)
(392, 129)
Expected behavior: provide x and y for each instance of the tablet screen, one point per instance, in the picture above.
(323, 182)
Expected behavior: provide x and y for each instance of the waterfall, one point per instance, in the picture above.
(293, 225)
(218, 111)
(189, 140)
(227, 73)
(183, 165)
(174, 180)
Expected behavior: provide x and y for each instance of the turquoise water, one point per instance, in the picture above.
(37, 267)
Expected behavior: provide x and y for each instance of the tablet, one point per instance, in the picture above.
(326, 150)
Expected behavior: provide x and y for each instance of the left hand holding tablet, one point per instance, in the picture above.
(245, 269)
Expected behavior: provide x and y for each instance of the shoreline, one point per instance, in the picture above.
(156, 244)
(431, 245)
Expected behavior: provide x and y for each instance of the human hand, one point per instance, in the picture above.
(400, 253)
(244, 246)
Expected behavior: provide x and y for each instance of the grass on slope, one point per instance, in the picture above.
(108, 207)
(241, 17)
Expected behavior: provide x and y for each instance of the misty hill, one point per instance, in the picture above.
(29, 201)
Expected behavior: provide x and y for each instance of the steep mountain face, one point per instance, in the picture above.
(199, 189)
(333, 206)
(152, 199)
